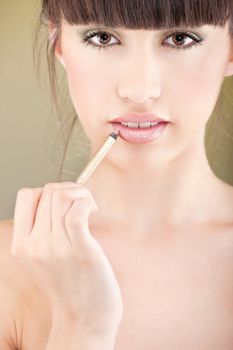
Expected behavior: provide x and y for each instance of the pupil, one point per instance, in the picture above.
(180, 38)
(103, 37)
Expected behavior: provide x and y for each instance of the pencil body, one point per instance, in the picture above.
(100, 154)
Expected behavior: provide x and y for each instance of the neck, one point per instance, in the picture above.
(183, 191)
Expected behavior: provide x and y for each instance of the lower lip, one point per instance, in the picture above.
(140, 135)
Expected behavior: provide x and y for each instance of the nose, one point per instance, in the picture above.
(140, 84)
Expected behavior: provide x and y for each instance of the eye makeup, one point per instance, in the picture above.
(87, 39)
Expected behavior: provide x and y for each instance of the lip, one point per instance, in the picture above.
(138, 118)
(139, 135)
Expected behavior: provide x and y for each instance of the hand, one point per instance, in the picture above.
(52, 236)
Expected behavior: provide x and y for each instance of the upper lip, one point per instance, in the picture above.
(138, 118)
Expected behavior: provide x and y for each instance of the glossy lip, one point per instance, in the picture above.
(137, 135)
(138, 118)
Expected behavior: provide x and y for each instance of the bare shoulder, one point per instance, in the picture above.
(20, 299)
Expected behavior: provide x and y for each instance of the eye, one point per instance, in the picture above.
(178, 39)
(102, 39)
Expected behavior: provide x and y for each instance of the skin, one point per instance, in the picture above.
(174, 181)
(184, 245)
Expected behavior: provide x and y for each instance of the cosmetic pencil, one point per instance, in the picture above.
(98, 157)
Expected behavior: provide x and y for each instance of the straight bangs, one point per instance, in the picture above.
(140, 14)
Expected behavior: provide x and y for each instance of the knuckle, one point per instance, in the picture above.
(86, 196)
(59, 194)
(72, 184)
(70, 193)
(87, 192)
(49, 186)
(25, 192)
(60, 185)
(89, 196)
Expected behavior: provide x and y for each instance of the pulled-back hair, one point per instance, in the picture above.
(131, 14)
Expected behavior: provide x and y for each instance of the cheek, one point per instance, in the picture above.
(89, 89)
(196, 93)
(83, 83)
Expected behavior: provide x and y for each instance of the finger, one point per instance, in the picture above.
(63, 200)
(24, 214)
(76, 220)
(43, 220)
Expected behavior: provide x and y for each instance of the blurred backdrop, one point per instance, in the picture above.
(30, 140)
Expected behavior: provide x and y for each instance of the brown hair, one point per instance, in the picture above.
(136, 14)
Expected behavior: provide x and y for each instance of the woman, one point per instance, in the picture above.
(141, 256)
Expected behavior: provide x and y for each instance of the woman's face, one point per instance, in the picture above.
(175, 77)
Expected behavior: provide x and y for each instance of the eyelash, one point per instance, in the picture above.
(87, 36)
